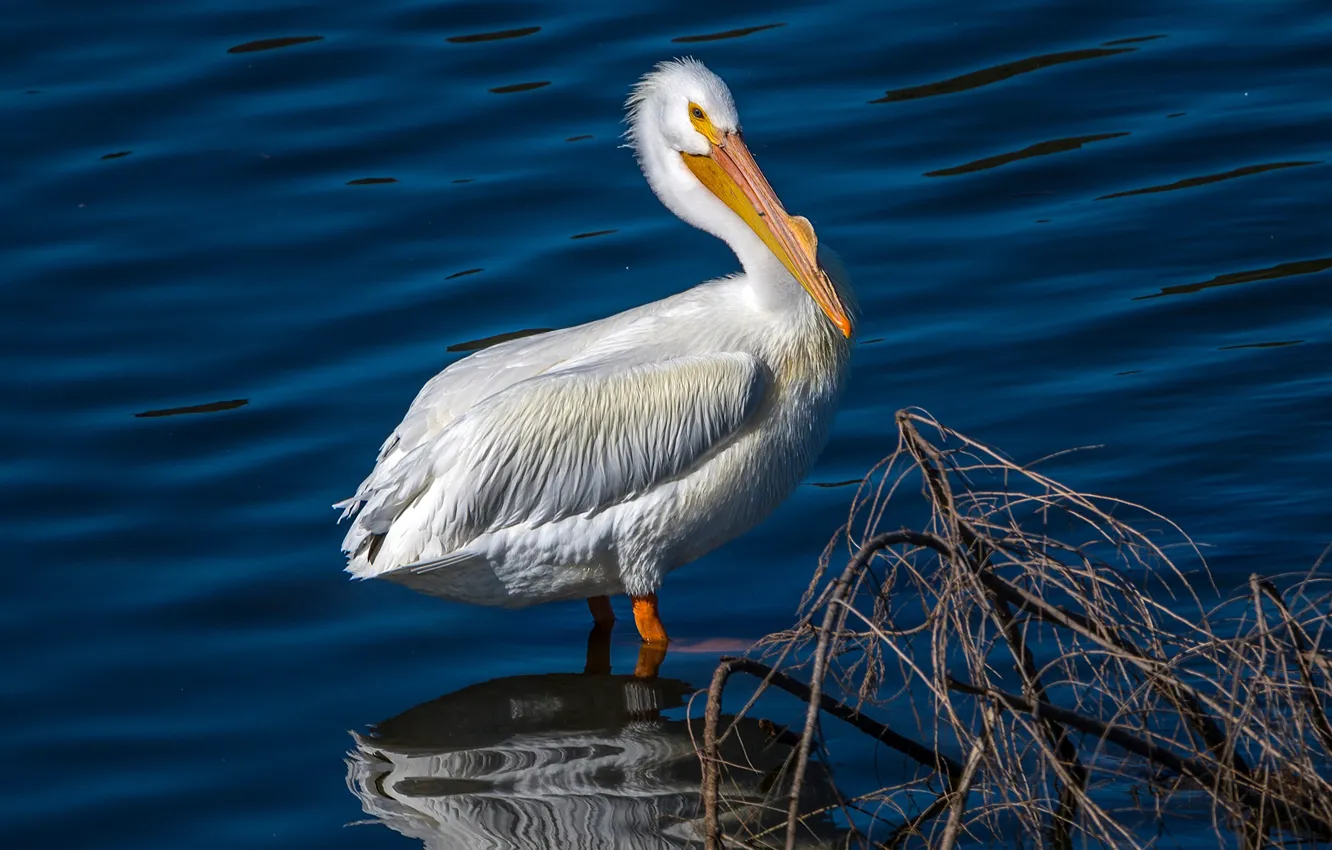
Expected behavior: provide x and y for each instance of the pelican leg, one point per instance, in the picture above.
(598, 640)
(653, 650)
(602, 613)
(647, 620)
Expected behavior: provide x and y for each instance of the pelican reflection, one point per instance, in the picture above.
(564, 760)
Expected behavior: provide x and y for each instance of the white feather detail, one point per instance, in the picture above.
(568, 442)
(581, 439)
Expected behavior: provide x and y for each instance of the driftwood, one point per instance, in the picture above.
(1055, 668)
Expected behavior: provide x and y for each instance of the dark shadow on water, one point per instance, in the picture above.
(498, 35)
(1038, 149)
(1135, 40)
(562, 760)
(517, 87)
(486, 342)
(1276, 344)
(846, 483)
(116, 155)
(273, 43)
(1297, 267)
(211, 407)
(1190, 182)
(591, 233)
(464, 273)
(998, 73)
(371, 181)
(577, 138)
(718, 36)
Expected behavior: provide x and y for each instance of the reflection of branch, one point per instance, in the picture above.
(1182, 694)
(712, 718)
(1190, 767)
(1196, 769)
(916, 751)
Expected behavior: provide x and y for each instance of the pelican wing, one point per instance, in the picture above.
(450, 393)
(580, 438)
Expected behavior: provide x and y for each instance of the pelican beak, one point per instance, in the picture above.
(731, 173)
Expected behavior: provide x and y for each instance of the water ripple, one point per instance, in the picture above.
(1299, 267)
(273, 43)
(210, 407)
(1038, 149)
(493, 36)
(517, 87)
(1190, 182)
(1273, 344)
(997, 73)
(1134, 40)
(719, 36)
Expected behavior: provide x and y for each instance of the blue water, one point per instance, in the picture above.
(1069, 223)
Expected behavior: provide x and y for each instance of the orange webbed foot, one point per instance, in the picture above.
(653, 633)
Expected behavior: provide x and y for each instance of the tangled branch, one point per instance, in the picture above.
(1054, 664)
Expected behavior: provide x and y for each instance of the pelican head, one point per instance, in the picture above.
(684, 128)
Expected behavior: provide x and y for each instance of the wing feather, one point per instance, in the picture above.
(577, 441)
(565, 442)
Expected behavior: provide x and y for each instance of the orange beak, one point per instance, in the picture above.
(731, 173)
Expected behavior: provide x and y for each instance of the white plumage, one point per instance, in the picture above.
(594, 460)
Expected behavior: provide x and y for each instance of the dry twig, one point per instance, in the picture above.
(1054, 662)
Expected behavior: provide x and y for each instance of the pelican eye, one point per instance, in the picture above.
(703, 124)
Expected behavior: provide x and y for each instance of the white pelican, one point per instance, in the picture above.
(594, 460)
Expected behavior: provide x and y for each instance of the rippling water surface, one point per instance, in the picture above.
(239, 236)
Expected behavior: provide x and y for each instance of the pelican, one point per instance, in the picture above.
(591, 461)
